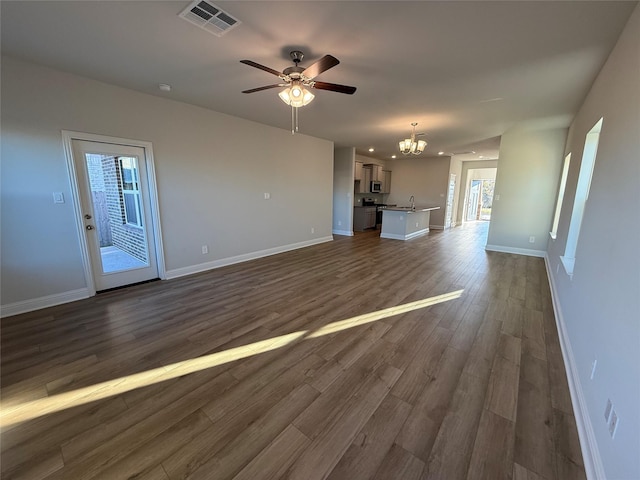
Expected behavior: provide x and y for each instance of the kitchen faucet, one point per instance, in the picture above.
(413, 204)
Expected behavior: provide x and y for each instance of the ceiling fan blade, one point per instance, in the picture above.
(322, 65)
(266, 87)
(262, 67)
(334, 87)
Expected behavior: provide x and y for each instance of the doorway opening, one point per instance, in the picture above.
(115, 191)
(116, 204)
(479, 196)
(480, 200)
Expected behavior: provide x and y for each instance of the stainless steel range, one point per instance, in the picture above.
(371, 202)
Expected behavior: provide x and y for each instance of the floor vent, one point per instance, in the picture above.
(210, 17)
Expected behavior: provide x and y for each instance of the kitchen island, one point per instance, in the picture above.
(404, 223)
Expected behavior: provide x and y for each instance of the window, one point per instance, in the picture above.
(563, 184)
(582, 193)
(130, 191)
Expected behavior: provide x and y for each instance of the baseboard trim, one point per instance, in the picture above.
(346, 233)
(436, 227)
(593, 466)
(43, 302)
(518, 251)
(223, 262)
(394, 236)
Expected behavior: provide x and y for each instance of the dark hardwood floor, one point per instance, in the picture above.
(361, 358)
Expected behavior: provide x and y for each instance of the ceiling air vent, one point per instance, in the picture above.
(210, 17)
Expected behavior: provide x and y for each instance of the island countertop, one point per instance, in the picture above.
(411, 210)
(405, 223)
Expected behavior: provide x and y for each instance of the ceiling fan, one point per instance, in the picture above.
(303, 76)
(297, 79)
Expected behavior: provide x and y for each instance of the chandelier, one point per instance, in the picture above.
(409, 145)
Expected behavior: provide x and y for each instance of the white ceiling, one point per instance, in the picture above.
(465, 71)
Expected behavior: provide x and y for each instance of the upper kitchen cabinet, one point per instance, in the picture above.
(359, 184)
(357, 170)
(376, 172)
(366, 173)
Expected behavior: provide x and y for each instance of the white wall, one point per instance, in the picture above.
(526, 184)
(212, 171)
(427, 179)
(483, 174)
(599, 308)
(343, 178)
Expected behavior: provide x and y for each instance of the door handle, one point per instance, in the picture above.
(87, 216)
(89, 227)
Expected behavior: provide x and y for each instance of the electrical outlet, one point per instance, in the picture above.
(593, 370)
(532, 239)
(313, 230)
(417, 224)
(497, 197)
(58, 197)
(205, 249)
(267, 195)
(613, 423)
(339, 223)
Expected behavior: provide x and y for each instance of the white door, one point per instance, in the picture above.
(115, 204)
(474, 199)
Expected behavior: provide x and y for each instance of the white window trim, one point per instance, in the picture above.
(587, 167)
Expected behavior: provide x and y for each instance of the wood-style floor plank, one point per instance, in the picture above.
(469, 387)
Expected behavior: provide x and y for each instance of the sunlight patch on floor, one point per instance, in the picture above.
(44, 406)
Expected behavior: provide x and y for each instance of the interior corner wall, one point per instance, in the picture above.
(598, 307)
(210, 192)
(343, 178)
(427, 179)
(525, 190)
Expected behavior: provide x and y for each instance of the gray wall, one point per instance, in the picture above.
(427, 179)
(343, 179)
(526, 183)
(210, 190)
(600, 305)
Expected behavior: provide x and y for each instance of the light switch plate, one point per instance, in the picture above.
(58, 197)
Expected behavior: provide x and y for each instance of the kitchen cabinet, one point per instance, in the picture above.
(366, 173)
(357, 170)
(363, 218)
(376, 172)
(359, 183)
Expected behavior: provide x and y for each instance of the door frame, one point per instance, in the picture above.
(68, 137)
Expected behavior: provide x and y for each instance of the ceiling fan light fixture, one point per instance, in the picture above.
(296, 95)
(410, 146)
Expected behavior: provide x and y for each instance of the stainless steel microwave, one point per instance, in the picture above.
(376, 187)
